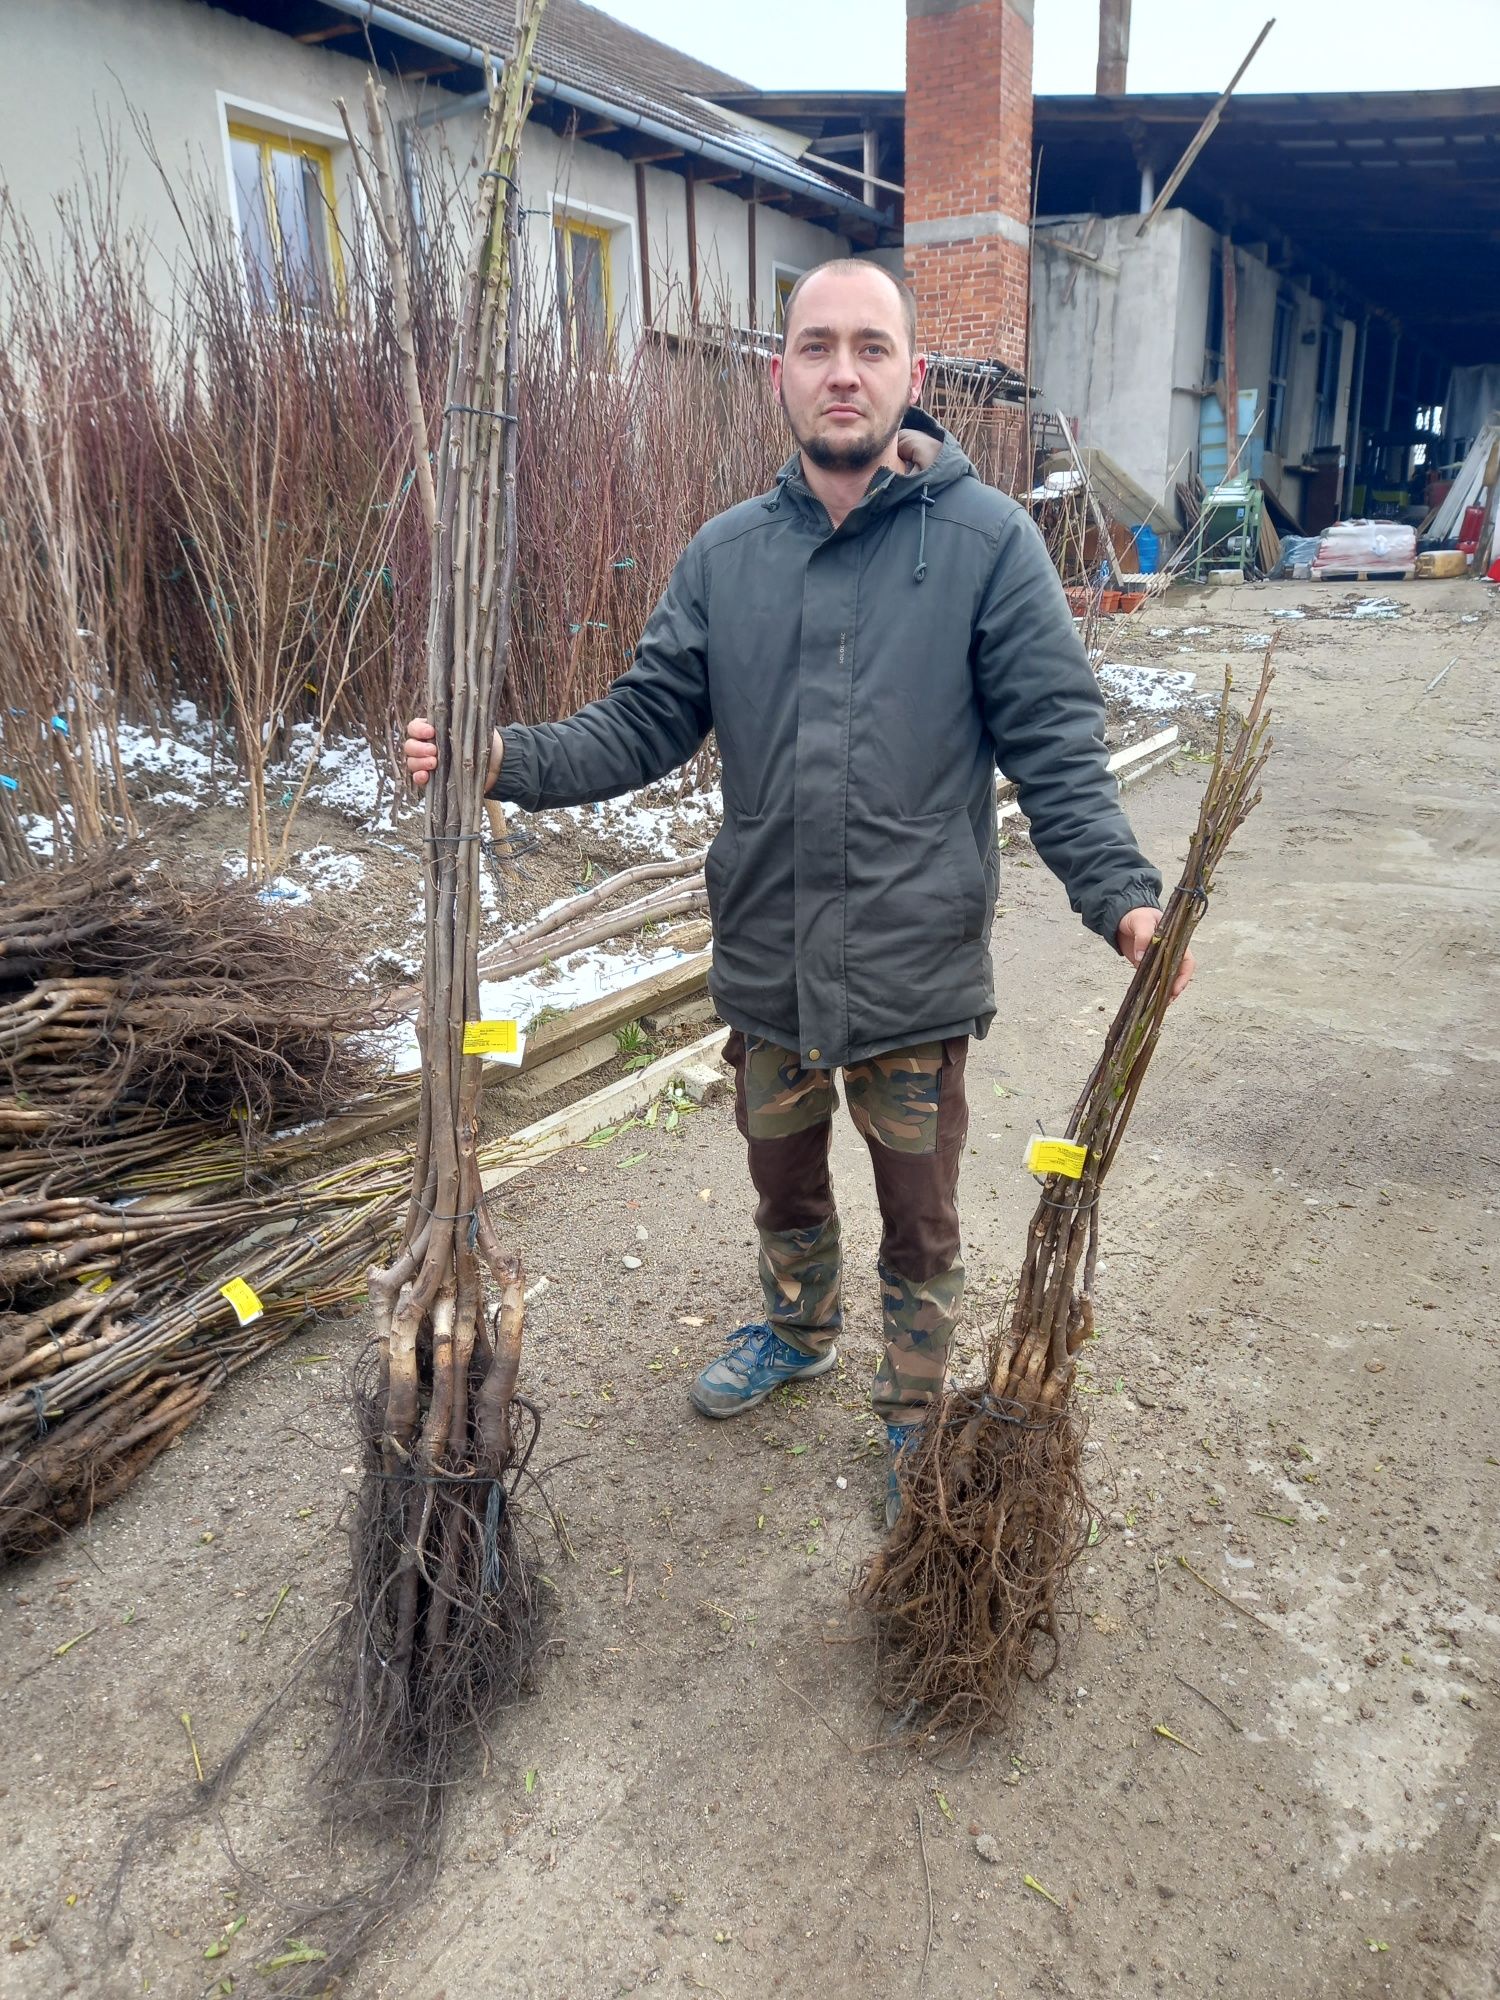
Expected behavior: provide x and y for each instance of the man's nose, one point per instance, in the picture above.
(844, 368)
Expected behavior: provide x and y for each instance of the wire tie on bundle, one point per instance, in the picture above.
(474, 410)
(1009, 1411)
(1078, 1207)
(38, 1395)
(494, 1507)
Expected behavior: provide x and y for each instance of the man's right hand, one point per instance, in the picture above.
(419, 752)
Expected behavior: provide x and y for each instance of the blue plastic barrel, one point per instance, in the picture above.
(1147, 550)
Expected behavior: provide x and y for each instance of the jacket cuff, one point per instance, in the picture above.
(518, 783)
(1140, 892)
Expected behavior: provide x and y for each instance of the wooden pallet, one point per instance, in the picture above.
(1403, 573)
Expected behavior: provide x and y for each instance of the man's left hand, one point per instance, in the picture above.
(1136, 930)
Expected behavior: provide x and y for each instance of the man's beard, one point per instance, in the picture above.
(843, 454)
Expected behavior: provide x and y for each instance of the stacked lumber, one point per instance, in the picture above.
(1467, 490)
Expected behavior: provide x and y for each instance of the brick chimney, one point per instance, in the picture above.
(968, 173)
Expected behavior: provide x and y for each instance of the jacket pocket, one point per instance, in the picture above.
(718, 865)
(966, 873)
(750, 880)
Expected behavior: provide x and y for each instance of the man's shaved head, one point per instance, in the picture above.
(863, 266)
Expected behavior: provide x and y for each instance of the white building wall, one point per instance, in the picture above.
(562, 177)
(1124, 354)
(75, 68)
(78, 71)
(1103, 338)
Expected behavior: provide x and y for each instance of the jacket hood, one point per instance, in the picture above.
(932, 456)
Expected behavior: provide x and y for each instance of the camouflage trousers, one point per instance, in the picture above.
(909, 1108)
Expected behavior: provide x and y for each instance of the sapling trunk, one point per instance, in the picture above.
(443, 1616)
(965, 1593)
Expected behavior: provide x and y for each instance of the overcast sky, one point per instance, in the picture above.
(1175, 44)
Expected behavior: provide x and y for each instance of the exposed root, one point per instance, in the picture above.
(968, 1591)
(444, 1622)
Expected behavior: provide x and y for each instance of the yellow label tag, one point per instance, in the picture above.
(489, 1038)
(1056, 1156)
(91, 1281)
(247, 1306)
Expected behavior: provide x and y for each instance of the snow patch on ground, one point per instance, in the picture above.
(1371, 607)
(40, 833)
(326, 868)
(583, 976)
(666, 828)
(349, 781)
(1148, 690)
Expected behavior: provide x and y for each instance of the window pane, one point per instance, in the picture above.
(255, 234)
(590, 300)
(560, 255)
(300, 218)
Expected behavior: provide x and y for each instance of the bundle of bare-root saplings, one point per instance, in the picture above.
(966, 1592)
(144, 1020)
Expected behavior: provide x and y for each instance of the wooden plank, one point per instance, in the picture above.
(599, 1017)
(1090, 496)
(397, 1104)
(1128, 764)
(1079, 251)
(1202, 136)
(624, 1098)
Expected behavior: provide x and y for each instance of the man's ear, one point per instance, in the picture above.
(918, 376)
(776, 376)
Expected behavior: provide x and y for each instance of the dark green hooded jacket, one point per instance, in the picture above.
(863, 682)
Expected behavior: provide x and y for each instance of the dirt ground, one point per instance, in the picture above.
(1295, 1394)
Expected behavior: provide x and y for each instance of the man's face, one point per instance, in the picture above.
(847, 374)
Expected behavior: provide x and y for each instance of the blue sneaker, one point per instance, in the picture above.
(898, 1437)
(758, 1360)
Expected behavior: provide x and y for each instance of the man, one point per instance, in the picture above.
(866, 639)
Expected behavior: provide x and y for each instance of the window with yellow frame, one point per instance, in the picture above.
(284, 198)
(785, 281)
(585, 287)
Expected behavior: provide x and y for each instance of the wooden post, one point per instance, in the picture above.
(1387, 450)
(642, 232)
(692, 243)
(750, 249)
(1231, 359)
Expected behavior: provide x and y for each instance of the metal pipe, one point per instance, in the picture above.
(1356, 403)
(627, 119)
